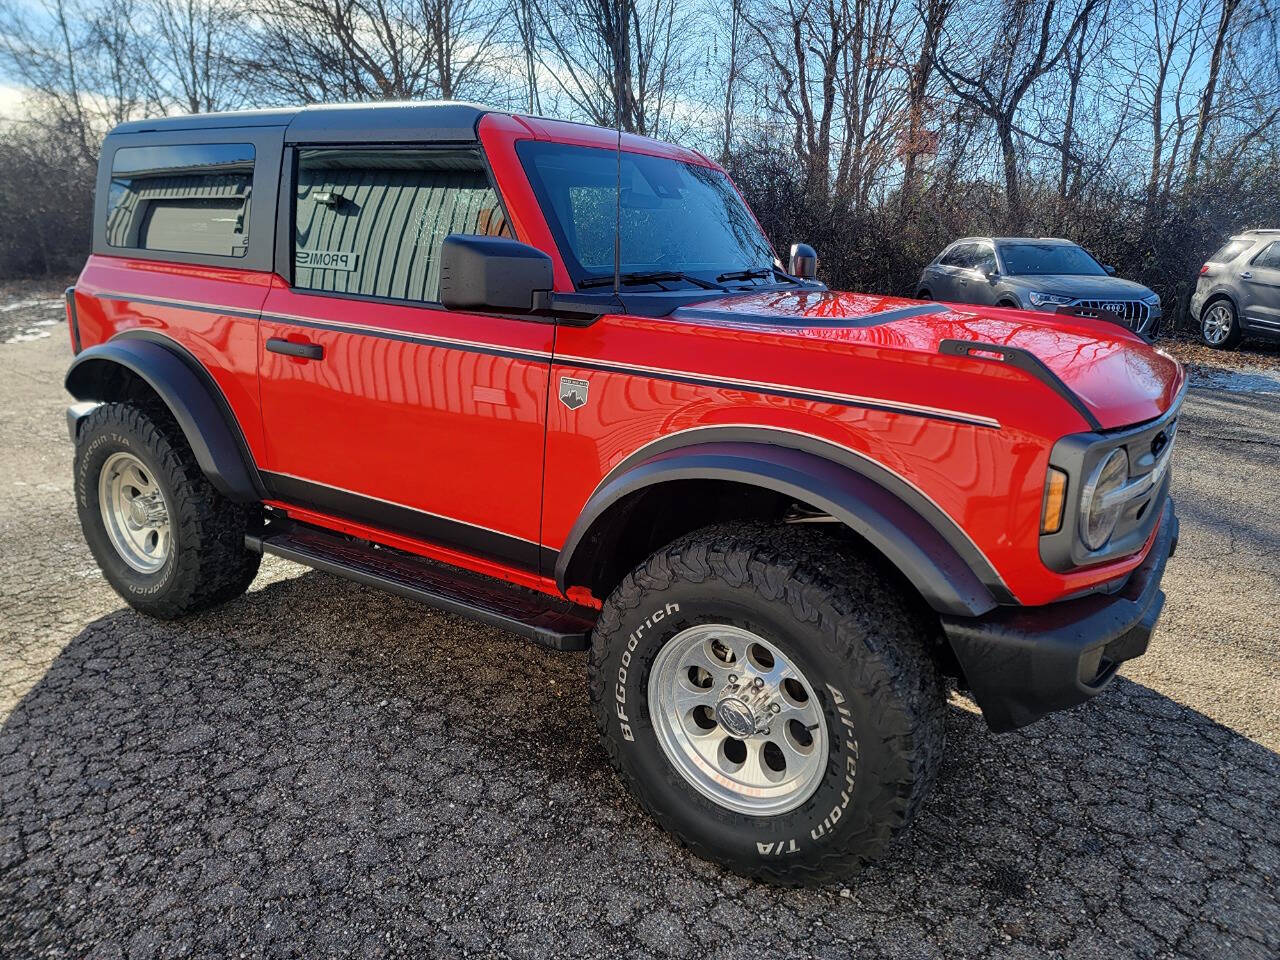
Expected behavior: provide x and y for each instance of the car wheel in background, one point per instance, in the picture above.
(924, 295)
(1219, 325)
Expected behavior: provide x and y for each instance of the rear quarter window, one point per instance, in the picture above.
(1230, 251)
(193, 198)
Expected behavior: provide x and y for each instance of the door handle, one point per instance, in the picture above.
(307, 351)
(1247, 275)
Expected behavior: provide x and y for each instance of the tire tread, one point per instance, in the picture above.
(851, 601)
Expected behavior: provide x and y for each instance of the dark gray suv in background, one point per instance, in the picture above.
(1239, 290)
(1037, 273)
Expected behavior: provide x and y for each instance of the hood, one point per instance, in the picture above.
(1117, 375)
(1074, 285)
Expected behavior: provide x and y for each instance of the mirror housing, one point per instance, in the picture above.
(1109, 270)
(492, 273)
(804, 261)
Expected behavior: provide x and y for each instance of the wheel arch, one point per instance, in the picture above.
(689, 478)
(1220, 293)
(140, 365)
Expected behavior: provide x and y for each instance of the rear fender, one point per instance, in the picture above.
(190, 393)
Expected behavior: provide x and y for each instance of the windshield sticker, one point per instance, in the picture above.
(328, 259)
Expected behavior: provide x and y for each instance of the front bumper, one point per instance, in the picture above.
(1024, 662)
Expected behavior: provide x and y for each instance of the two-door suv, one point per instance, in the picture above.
(557, 380)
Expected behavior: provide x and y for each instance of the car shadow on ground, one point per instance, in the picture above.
(318, 768)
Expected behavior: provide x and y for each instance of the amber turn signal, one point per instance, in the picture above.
(1055, 501)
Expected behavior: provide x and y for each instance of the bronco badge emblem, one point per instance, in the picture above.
(573, 393)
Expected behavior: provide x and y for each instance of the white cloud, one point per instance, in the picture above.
(11, 98)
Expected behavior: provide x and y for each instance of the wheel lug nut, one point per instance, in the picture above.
(758, 682)
(733, 678)
(774, 708)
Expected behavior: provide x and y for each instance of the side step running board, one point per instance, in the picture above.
(555, 623)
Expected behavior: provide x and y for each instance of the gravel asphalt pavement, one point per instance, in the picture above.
(321, 770)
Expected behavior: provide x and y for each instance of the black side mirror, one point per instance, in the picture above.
(492, 273)
(1110, 270)
(804, 261)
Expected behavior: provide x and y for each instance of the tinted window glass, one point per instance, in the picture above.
(188, 199)
(984, 258)
(1232, 250)
(1027, 258)
(372, 222)
(1269, 257)
(675, 216)
(958, 255)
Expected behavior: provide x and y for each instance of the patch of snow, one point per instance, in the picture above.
(23, 304)
(1237, 381)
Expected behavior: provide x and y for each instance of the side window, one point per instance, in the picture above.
(371, 222)
(1269, 257)
(182, 199)
(958, 256)
(984, 258)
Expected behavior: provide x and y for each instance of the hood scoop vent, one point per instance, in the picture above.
(1025, 361)
(807, 320)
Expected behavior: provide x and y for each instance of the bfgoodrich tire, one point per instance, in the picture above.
(165, 539)
(783, 601)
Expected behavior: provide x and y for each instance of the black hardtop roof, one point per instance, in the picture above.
(348, 122)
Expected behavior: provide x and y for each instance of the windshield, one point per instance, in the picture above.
(1026, 258)
(676, 217)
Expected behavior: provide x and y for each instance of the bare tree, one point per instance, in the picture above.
(803, 43)
(616, 61)
(733, 28)
(525, 16)
(375, 49)
(462, 40)
(1227, 11)
(1027, 42)
(191, 46)
(917, 140)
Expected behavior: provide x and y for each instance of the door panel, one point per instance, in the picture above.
(417, 420)
(378, 404)
(980, 288)
(950, 274)
(1260, 283)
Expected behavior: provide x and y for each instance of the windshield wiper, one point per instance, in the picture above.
(660, 276)
(757, 273)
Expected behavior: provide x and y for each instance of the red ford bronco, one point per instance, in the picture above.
(558, 381)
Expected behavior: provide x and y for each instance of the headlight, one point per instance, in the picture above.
(1097, 522)
(1153, 300)
(1047, 300)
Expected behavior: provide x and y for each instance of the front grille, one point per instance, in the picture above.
(1134, 314)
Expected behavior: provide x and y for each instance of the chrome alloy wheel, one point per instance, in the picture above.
(737, 718)
(1216, 324)
(134, 512)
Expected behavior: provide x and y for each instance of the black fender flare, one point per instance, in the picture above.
(187, 389)
(852, 494)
